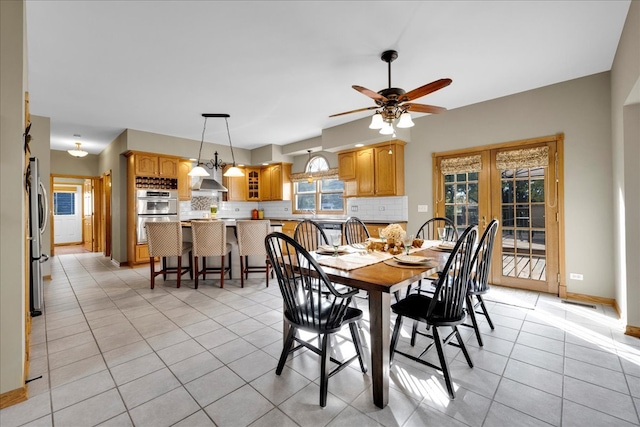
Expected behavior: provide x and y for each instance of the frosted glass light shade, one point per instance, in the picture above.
(77, 152)
(198, 171)
(376, 121)
(387, 129)
(233, 172)
(405, 121)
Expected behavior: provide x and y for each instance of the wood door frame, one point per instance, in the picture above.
(94, 180)
(437, 187)
(106, 213)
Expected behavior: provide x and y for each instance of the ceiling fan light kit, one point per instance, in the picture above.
(77, 152)
(233, 171)
(393, 103)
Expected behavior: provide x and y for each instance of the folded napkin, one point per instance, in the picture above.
(353, 261)
(327, 249)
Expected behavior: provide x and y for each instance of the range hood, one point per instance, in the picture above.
(209, 183)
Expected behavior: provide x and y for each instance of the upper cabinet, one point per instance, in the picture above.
(236, 186)
(265, 183)
(373, 171)
(154, 165)
(184, 180)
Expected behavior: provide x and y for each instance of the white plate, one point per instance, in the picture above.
(411, 259)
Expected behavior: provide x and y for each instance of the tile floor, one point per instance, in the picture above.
(112, 352)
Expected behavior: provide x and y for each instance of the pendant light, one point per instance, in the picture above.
(77, 152)
(199, 170)
(233, 171)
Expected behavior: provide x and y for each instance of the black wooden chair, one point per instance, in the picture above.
(307, 309)
(355, 232)
(444, 309)
(310, 235)
(429, 231)
(479, 278)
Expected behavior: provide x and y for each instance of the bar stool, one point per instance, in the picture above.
(210, 239)
(165, 240)
(251, 235)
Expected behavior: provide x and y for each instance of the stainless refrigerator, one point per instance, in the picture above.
(38, 216)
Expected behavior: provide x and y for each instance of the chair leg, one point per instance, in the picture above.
(222, 272)
(394, 338)
(179, 272)
(241, 271)
(285, 349)
(443, 362)
(230, 276)
(266, 267)
(484, 310)
(463, 347)
(414, 332)
(324, 377)
(472, 314)
(195, 263)
(191, 265)
(356, 342)
(164, 268)
(204, 268)
(152, 265)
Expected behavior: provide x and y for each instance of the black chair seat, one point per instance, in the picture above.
(416, 307)
(323, 318)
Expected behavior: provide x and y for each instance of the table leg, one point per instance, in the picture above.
(380, 324)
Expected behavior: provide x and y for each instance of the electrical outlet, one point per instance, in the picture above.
(286, 209)
(237, 209)
(354, 209)
(380, 208)
(423, 208)
(575, 276)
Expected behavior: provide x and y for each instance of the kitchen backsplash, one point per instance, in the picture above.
(366, 208)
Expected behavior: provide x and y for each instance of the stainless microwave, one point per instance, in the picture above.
(157, 202)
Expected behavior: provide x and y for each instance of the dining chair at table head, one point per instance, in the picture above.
(479, 278)
(310, 235)
(355, 231)
(429, 230)
(307, 308)
(210, 240)
(445, 308)
(164, 239)
(251, 235)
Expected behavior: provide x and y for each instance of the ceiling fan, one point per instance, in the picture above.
(393, 103)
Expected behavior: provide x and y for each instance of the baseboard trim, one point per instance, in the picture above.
(592, 299)
(633, 331)
(12, 397)
(118, 263)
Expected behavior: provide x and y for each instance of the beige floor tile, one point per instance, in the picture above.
(75, 371)
(194, 367)
(239, 408)
(84, 388)
(91, 411)
(150, 386)
(136, 368)
(165, 410)
(214, 385)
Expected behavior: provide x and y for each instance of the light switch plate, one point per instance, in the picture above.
(576, 276)
(423, 208)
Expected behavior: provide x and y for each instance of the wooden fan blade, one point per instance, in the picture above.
(425, 90)
(371, 94)
(354, 111)
(423, 108)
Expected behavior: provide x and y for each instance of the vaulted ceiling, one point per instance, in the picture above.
(280, 68)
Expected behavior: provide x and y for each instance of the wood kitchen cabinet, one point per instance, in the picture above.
(253, 184)
(153, 165)
(236, 186)
(373, 171)
(265, 183)
(184, 180)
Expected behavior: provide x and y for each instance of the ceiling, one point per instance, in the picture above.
(281, 68)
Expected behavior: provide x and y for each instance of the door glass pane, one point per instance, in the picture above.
(64, 203)
(523, 220)
(461, 199)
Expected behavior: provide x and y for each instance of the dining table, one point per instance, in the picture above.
(381, 280)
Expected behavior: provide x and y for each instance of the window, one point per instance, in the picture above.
(321, 194)
(64, 203)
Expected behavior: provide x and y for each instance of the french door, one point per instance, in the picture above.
(519, 184)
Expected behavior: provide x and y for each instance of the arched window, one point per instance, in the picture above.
(318, 189)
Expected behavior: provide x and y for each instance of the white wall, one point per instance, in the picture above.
(12, 209)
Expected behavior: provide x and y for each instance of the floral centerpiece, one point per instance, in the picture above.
(393, 233)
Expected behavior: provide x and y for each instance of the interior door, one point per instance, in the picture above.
(67, 214)
(87, 215)
(520, 185)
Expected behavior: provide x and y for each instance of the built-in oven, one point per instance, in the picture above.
(154, 206)
(143, 219)
(157, 202)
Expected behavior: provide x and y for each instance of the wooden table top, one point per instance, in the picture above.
(386, 278)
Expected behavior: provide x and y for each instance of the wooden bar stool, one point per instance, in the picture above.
(209, 240)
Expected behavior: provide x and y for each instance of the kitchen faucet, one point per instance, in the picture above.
(312, 212)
